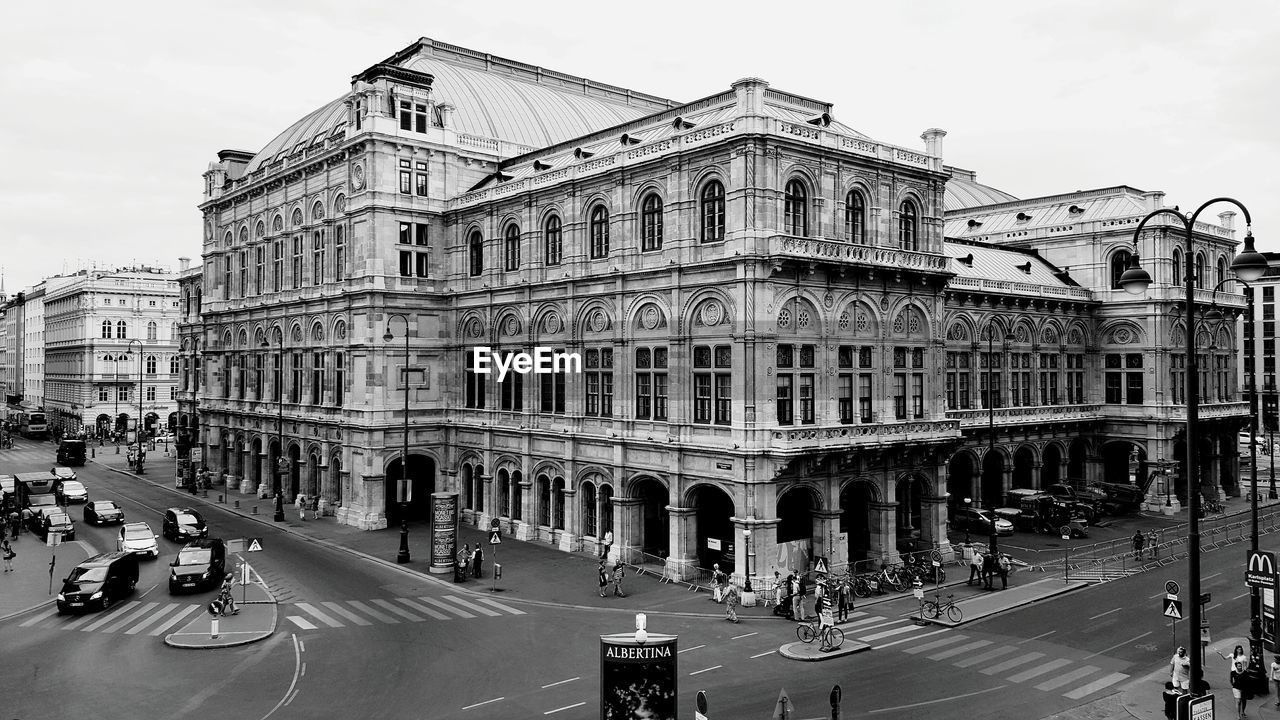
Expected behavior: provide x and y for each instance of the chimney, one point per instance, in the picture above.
(750, 95)
(933, 141)
(446, 114)
(1228, 220)
(183, 264)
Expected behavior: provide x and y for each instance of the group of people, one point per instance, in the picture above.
(1145, 543)
(985, 567)
(469, 562)
(605, 577)
(1237, 668)
(314, 505)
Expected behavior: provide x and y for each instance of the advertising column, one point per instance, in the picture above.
(638, 677)
(444, 532)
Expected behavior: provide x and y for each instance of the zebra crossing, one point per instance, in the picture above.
(392, 611)
(1070, 678)
(132, 618)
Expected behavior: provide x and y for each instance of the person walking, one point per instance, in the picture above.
(606, 545)
(477, 561)
(301, 502)
(617, 579)
(1153, 544)
(603, 576)
(797, 600)
(1275, 677)
(1005, 567)
(1238, 682)
(464, 559)
(1138, 541)
(715, 583)
(975, 568)
(6, 551)
(731, 603)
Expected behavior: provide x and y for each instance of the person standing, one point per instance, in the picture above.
(1275, 677)
(1238, 681)
(603, 577)
(477, 561)
(6, 551)
(301, 502)
(1138, 541)
(715, 582)
(464, 559)
(797, 600)
(617, 579)
(1005, 567)
(1180, 667)
(842, 599)
(607, 543)
(731, 604)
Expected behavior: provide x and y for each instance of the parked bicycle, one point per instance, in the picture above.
(830, 637)
(935, 607)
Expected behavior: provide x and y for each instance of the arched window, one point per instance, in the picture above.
(1200, 270)
(908, 230)
(1222, 270)
(606, 510)
(1178, 279)
(151, 364)
(151, 330)
(712, 212)
(1119, 262)
(553, 240)
(106, 329)
(121, 330)
(544, 500)
(599, 232)
(475, 253)
(795, 210)
(651, 223)
(511, 247)
(557, 513)
(589, 509)
(855, 218)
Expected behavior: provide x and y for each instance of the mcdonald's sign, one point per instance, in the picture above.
(1260, 572)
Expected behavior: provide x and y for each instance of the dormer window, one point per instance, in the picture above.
(582, 154)
(967, 260)
(413, 116)
(1023, 217)
(975, 224)
(630, 139)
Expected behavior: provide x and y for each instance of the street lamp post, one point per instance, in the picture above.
(281, 463)
(992, 396)
(403, 555)
(1249, 266)
(138, 423)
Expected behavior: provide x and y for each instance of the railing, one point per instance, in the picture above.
(1016, 288)
(830, 250)
(1023, 415)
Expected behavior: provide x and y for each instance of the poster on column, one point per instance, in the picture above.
(444, 532)
(638, 680)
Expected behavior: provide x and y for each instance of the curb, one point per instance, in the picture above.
(789, 651)
(263, 635)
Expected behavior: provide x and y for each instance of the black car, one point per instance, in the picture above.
(101, 512)
(52, 520)
(199, 566)
(99, 581)
(183, 524)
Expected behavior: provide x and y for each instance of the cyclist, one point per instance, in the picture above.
(225, 597)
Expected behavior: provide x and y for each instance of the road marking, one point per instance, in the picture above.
(154, 617)
(566, 707)
(1095, 686)
(1159, 594)
(173, 619)
(866, 621)
(890, 633)
(953, 651)
(297, 668)
(313, 611)
(544, 687)
(988, 655)
(486, 702)
(699, 672)
(77, 622)
(771, 652)
(301, 622)
(1243, 594)
(397, 610)
(1037, 637)
(1070, 677)
(1210, 577)
(935, 643)
(934, 702)
(500, 606)
(446, 606)
(1039, 670)
(335, 607)
(108, 617)
(471, 606)
(424, 609)
(1213, 607)
(1113, 610)
(1113, 647)
(695, 647)
(371, 612)
(877, 626)
(1008, 664)
(42, 616)
(903, 640)
(739, 637)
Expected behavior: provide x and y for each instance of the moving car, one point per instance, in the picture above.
(137, 538)
(99, 581)
(978, 521)
(73, 491)
(101, 512)
(61, 473)
(200, 565)
(71, 452)
(183, 524)
(52, 520)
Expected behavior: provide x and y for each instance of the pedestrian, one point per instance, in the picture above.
(1153, 543)
(1275, 677)
(1005, 567)
(1180, 667)
(301, 502)
(1138, 541)
(842, 599)
(1237, 657)
(606, 545)
(715, 582)
(14, 524)
(6, 551)
(1238, 682)
(315, 507)
(989, 567)
(975, 568)
(731, 604)
(604, 577)
(477, 561)
(1171, 696)
(797, 601)
(464, 559)
(617, 579)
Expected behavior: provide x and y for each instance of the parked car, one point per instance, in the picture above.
(183, 524)
(99, 581)
(101, 512)
(53, 519)
(1086, 502)
(978, 521)
(200, 565)
(72, 491)
(137, 538)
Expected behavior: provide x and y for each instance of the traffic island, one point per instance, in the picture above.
(813, 652)
(255, 621)
(993, 602)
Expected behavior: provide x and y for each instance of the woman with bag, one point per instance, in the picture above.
(6, 550)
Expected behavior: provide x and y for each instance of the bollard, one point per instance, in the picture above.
(213, 629)
(254, 511)
(221, 500)
(93, 452)
(205, 494)
(237, 505)
(117, 449)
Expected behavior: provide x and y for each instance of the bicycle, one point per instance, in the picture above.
(831, 637)
(935, 607)
(223, 606)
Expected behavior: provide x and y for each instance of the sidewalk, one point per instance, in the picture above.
(1020, 592)
(255, 621)
(1144, 700)
(27, 587)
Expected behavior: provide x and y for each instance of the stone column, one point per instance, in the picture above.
(488, 503)
(571, 531)
(528, 527)
(881, 517)
(764, 548)
(367, 509)
(627, 523)
(934, 520)
(682, 540)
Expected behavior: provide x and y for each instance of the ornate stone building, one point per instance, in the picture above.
(779, 347)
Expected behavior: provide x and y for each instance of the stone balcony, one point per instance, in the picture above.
(1028, 415)
(818, 250)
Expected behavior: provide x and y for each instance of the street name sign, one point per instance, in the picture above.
(1173, 608)
(1260, 572)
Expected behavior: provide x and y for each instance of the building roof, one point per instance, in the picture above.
(964, 191)
(493, 98)
(989, 268)
(1010, 221)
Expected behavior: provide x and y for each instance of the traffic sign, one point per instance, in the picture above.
(1171, 587)
(820, 564)
(1173, 609)
(1260, 571)
(235, 545)
(1195, 708)
(53, 539)
(495, 537)
(255, 545)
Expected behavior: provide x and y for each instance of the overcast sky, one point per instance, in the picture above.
(114, 109)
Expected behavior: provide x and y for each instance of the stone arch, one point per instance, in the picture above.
(1122, 332)
(548, 319)
(859, 520)
(422, 467)
(649, 312)
(317, 211)
(1051, 464)
(706, 175)
(507, 323)
(650, 522)
(471, 326)
(912, 522)
(795, 508)
(1024, 462)
(242, 339)
(339, 204)
(295, 217)
(1023, 330)
(595, 317)
(910, 319)
(859, 319)
(798, 313)
(713, 520)
(962, 329)
(962, 475)
(317, 332)
(339, 333)
(1051, 334)
(994, 462)
(650, 186)
(709, 308)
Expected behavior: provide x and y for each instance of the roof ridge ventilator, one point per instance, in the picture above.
(822, 120)
(1025, 267)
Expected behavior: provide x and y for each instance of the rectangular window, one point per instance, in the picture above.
(419, 117)
(599, 382)
(474, 391)
(406, 116)
(865, 407)
(713, 384)
(844, 398)
(807, 415)
(406, 264)
(277, 379)
(122, 393)
(917, 395)
(339, 254)
(1113, 392)
(277, 269)
(406, 233)
(406, 178)
(244, 275)
(295, 389)
(785, 398)
(551, 392)
(512, 392)
(420, 236)
(297, 262)
(260, 258)
(420, 181)
(317, 258)
(103, 394)
(317, 378)
(1133, 388)
(900, 396)
(151, 393)
(422, 263)
(257, 376)
(240, 383)
(226, 278)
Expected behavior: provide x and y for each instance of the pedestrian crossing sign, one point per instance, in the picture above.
(1173, 608)
(495, 537)
(255, 545)
(820, 564)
